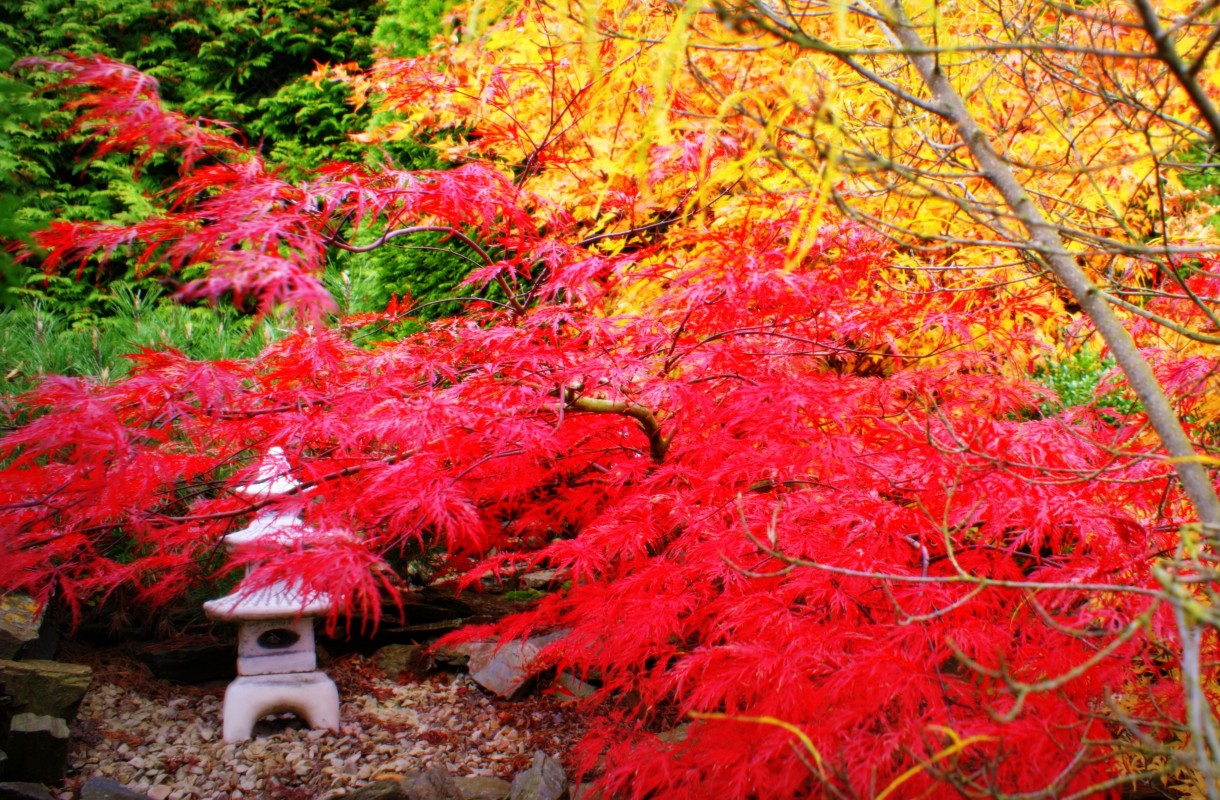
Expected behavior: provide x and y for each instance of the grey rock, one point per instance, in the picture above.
(378, 790)
(540, 580)
(20, 790)
(455, 656)
(483, 787)
(585, 791)
(505, 670)
(546, 638)
(20, 622)
(544, 780)
(675, 735)
(107, 789)
(402, 660)
(37, 748)
(570, 688)
(49, 688)
(432, 784)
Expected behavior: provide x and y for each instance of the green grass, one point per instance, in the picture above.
(36, 341)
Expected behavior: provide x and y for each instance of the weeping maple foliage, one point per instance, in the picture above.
(797, 499)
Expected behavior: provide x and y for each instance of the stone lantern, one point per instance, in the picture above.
(276, 658)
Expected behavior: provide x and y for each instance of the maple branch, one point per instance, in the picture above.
(966, 578)
(1185, 75)
(661, 223)
(1047, 244)
(658, 444)
(1022, 690)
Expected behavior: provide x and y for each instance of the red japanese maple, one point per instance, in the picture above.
(770, 517)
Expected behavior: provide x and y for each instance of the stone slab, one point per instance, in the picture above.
(483, 787)
(544, 780)
(51, 688)
(434, 783)
(506, 670)
(22, 790)
(100, 788)
(570, 689)
(399, 661)
(37, 748)
(20, 622)
(541, 580)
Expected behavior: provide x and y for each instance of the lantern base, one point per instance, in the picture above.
(310, 695)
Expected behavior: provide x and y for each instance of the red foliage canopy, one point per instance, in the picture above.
(765, 508)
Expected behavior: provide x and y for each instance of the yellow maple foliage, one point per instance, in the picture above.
(629, 114)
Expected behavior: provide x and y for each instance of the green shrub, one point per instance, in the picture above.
(246, 63)
(216, 58)
(1076, 379)
(406, 28)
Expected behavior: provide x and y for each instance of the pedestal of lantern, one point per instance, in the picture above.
(276, 660)
(276, 656)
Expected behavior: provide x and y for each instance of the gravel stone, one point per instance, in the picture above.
(162, 739)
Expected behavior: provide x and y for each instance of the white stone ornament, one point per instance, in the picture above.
(276, 656)
(310, 695)
(273, 477)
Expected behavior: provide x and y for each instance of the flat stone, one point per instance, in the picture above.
(544, 780)
(20, 622)
(675, 735)
(107, 789)
(402, 660)
(506, 670)
(483, 787)
(378, 790)
(21, 790)
(50, 688)
(432, 784)
(37, 748)
(456, 656)
(540, 580)
(543, 639)
(569, 688)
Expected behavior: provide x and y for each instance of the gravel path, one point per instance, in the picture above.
(164, 740)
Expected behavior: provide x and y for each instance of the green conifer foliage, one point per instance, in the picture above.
(247, 64)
